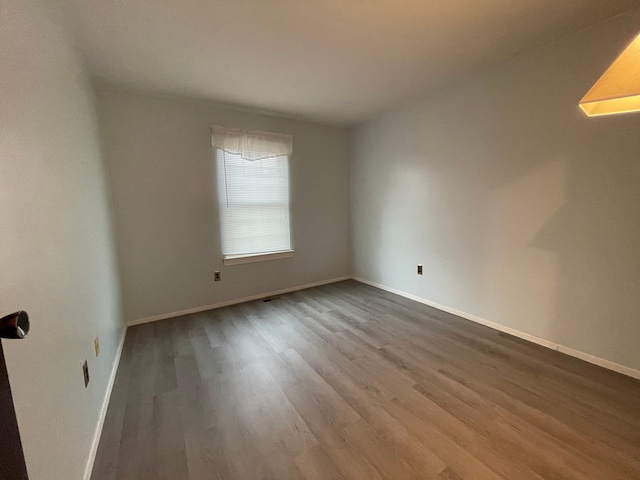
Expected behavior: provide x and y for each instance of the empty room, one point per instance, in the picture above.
(320, 240)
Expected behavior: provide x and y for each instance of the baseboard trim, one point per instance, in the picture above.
(601, 362)
(235, 301)
(103, 411)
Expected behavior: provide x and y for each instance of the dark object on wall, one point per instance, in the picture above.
(15, 325)
(12, 464)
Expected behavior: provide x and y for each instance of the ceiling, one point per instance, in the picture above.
(335, 61)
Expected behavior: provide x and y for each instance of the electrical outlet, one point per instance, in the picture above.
(96, 345)
(85, 373)
(216, 275)
(419, 269)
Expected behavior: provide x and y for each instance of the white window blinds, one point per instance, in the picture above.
(253, 191)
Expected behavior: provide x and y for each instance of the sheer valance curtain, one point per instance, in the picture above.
(251, 146)
(253, 192)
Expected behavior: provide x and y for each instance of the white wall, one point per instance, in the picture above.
(522, 210)
(56, 254)
(160, 164)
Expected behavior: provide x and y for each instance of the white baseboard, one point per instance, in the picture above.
(631, 372)
(235, 301)
(103, 411)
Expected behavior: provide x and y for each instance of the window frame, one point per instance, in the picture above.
(246, 258)
(242, 259)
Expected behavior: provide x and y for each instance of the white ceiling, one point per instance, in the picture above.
(338, 61)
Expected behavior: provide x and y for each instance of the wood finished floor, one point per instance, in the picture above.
(349, 382)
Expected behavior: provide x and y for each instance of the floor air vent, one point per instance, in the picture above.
(270, 299)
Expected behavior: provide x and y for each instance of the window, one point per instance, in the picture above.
(253, 194)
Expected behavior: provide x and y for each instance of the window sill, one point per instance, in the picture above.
(253, 258)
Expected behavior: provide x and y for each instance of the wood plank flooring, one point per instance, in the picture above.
(348, 382)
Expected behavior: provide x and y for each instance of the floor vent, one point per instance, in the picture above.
(270, 299)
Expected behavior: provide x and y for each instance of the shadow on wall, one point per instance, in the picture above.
(524, 211)
(562, 223)
(596, 234)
